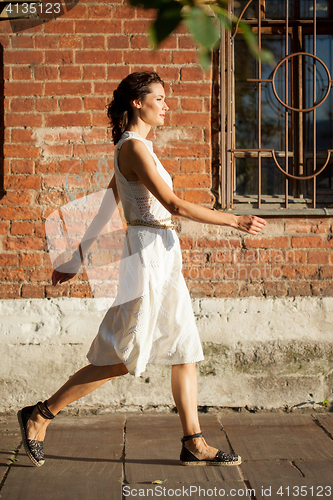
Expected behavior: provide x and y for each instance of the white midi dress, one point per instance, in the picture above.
(151, 319)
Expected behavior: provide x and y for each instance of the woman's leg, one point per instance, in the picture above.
(83, 382)
(185, 393)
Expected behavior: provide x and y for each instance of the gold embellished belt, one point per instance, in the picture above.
(158, 225)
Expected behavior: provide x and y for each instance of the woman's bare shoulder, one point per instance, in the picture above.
(133, 155)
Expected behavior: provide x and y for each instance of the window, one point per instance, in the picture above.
(277, 145)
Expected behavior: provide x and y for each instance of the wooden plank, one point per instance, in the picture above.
(153, 447)
(83, 461)
(276, 436)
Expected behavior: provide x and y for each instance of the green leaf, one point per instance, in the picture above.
(168, 18)
(202, 28)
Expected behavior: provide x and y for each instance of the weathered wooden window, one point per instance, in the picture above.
(277, 138)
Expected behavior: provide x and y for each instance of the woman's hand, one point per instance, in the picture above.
(66, 271)
(250, 224)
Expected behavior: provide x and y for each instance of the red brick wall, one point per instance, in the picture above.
(58, 77)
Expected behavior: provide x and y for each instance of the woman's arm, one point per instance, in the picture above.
(135, 153)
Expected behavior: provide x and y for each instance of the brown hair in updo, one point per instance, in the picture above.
(134, 87)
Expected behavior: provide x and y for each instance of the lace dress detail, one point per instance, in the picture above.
(151, 320)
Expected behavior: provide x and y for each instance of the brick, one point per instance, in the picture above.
(21, 151)
(23, 42)
(59, 57)
(146, 13)
(191, 89)
(57, 291)
(276, 288)
(33, 291)
(147, 57)
(307, 242)
(299, 289)
(81, 150)
(22, 167)
(66, 120)
(60, 26)
(80, 290)
(8, 259)
(199, 196)
(14, 275)
(192, 74)
(20, 213)
(101, 11)
(140, 42)
(136, 26)
(326, 272)
(199, 290)
(22, 135)
(187, 42)
(191, 119)
(70, 104)
(23, 57)
(78, 11)
(23, 181)
(59, 89)
(94, 103)
(46, 73)
(24, 243)
(279, 242)
(191, 104)
(117, 73)
(322, 288)
(118, 42)
(30, 259)
(94, 73)
(70, 42)
(167, 73)
(251, 290)
(94, 42)
(100, 120)
(23, 120)
(225, 289)
(46, 104)
(41, 274)
(220, 243)
(21, 73)
(318, 257)
(98, 57)
(9, 291)
(185, 57)
(22, 228)
(4, 227)
(93, 26)
(18, 105)
(194, 180)
(20, 89)
(47, 41)
(123, 12)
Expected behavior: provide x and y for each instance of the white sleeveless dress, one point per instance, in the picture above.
(151, 320)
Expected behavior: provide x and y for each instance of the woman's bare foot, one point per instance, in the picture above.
(36, 425)
(200, 449)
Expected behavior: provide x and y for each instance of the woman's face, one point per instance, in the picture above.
(153, 108)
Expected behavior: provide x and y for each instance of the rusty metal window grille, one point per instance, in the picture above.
(277, 142)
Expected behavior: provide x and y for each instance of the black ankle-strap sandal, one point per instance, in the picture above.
(221, 457)
(33, 448)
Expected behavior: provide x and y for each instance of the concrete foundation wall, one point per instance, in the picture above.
(258, 352)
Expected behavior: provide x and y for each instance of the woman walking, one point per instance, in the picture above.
(157, 325)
